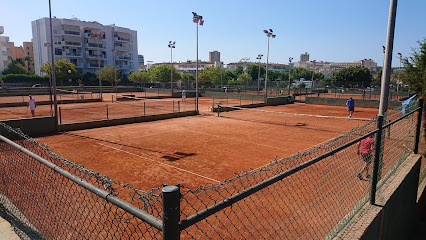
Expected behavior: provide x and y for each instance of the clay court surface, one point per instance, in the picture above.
(199, 149)
(82, 112)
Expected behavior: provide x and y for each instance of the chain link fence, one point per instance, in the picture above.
(58, 206)
(309, 195)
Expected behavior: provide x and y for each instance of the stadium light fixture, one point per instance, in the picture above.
(269, 35)
(171, 46)
(197, 19)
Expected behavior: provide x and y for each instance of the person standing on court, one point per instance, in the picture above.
(183, 95)
(32, 105)
(351, 107)
(365, 148)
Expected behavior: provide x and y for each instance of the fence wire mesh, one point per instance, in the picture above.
(61, 209)
(315, 202)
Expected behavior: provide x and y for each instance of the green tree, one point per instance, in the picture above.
(63, 70)
(187, 78)
(238, 70)
(161, 73)
(140, 77)
(274, 75)
(377, 80)
(15, 68)
(212, 75)
(353, 76)
(110, 74)
(253, 71)
(244, 78)
(28, 60)
(414, 73)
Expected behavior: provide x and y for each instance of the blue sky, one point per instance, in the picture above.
(329, 30)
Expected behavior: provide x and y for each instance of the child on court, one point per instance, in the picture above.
(32, 105)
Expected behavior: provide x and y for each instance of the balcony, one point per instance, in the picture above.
(122, 48)
(121, 39)
(124, 67)
(95, 56)
(123, 57)
(69, 43)
(94, 65)
(94, 45)
(70, 32)
(73, 54)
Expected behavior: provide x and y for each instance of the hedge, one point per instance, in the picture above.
(24, 78)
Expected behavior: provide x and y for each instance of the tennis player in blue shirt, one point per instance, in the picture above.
(351, 107)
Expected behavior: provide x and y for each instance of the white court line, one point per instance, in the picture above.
(181, 169)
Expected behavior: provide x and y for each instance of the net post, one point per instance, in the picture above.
(60, 116)
(418, 127)
(171, 212)
(376, 159)
(107, 110)
(240, 100)
(144, 113)
(218, 110)
(178, 106)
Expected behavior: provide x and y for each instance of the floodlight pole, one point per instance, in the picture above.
(171, 46)
(197, 19)
(266, 74)
(55, 103)
(196, 76)
(289, 73)
(388, 58)
(259, 57)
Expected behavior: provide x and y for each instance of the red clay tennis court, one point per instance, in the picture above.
(199, 149)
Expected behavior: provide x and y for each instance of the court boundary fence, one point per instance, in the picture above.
(158, 214)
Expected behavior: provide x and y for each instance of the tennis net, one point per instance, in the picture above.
(74, 94)
(283, 118)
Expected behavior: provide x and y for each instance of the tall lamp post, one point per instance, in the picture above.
(289, 74)
(197, 19)
(269, 34)
(259, 57)
(115, 70)
(399, 76)
(55, 103)
(99, 35)
(171, 46)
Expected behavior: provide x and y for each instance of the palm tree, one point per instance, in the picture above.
(28, 59)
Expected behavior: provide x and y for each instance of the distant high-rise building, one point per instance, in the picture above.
(304, 57)
(83, 43)
(141, 60)
(214, 56)
(5, 58)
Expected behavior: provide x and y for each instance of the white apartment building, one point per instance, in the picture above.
(84, 43)
(5, 58)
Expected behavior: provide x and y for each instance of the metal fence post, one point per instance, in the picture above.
(107, 111)
(144, 108)
(418, 127)
(376, 159)
(171, 212)
(112, 98)
(60, 116)
(240, 100)
(218, 110)
(213, 103)
(178, 106)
